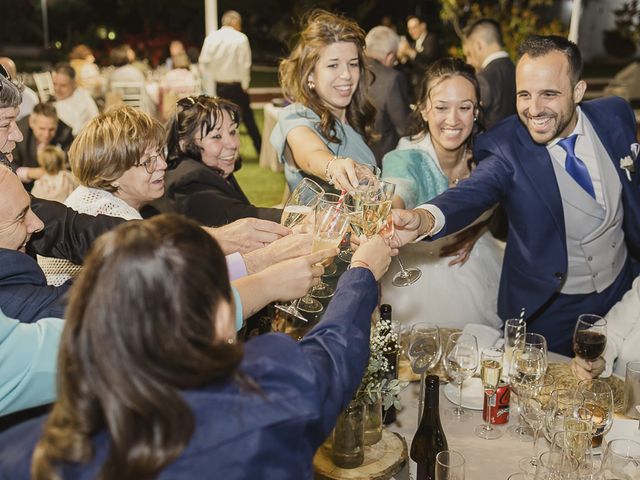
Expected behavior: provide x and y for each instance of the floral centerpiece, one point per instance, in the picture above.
(379, 385)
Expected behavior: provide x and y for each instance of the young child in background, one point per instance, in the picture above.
(57, 182)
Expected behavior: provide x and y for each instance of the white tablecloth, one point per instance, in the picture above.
(268, 156)
(485, 459)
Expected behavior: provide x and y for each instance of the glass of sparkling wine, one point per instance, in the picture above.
(301, 203)
(332, 222)
(298, 210)
(461, 362)
(528, 366)
(368, 178)
(491, 361)
(376, 207)
(322, 289)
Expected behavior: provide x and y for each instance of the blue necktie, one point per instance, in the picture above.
(576, 167)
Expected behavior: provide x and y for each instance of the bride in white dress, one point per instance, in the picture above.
(461, 288)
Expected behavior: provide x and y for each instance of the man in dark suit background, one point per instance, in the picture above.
(40, 129)
(484, 50)
(389, 90)
(419, 52)
(566, 173)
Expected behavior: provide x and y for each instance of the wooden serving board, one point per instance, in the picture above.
(381, 461)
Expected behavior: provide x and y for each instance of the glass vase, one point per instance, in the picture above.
(373, 422)
(348, 437)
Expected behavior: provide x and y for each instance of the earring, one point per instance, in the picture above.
(311, 84)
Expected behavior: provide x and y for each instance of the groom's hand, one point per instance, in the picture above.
(409, 225)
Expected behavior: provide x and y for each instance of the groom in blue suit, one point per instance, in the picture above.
(566, 175)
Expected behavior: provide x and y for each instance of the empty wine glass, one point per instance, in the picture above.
(491, 361)
(534, 414)
(555, 465)
(460, 362)
(563, 403)
(424, 352)
(621, 460)
(449, 465)
(598, 399)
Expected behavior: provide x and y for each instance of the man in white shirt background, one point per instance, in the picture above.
(74, 105)
(226, 59)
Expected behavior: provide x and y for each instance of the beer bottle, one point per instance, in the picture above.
(429, 439)
(392, 359)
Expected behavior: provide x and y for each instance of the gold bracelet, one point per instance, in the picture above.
(364, 264)
(326, 170)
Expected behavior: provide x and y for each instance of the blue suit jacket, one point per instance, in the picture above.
(24, 293)
(518, 173)
(241, 434)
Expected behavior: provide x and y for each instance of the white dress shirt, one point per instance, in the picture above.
(494, 56)
(77, 110)
(226, 54)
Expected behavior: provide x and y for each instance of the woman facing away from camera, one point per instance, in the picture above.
(435, 157)
(324, 134)
(153, 383)
(203, 145)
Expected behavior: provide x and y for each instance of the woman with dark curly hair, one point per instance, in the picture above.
(203, 144)
(434, 157)
(325, 133)
(153, 383)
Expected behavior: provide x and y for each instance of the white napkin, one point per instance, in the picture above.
(487, 336)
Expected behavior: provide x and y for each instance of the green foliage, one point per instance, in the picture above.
(375, 383)
(627, 20)
(518, 19)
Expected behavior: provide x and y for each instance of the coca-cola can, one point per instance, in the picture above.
(495, 409)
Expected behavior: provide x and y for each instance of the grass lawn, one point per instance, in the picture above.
(263, 187)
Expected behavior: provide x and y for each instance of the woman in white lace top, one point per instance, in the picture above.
(119, 161)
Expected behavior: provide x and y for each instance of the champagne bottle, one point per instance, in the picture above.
(392, 358)
(429, 439)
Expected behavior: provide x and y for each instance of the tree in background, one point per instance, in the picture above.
(518, 19)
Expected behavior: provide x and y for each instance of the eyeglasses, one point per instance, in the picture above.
(152, 162)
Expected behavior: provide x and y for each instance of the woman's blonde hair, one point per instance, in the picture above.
(52, 159)
(111, 144)
(322, 29)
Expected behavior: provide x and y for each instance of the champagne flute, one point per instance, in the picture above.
(449, 465)
(376, 207)
(590, 336)
(299, 208)
(491, 361)
(528, 365)
(461, 362)
(331, 223)
(322, 290)
(534, 414)
(368, 176)
(621, 460)
(301, 203)
(598, 399)
(424, 352)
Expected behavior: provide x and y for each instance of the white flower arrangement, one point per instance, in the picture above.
(626, 163)
(375, 382)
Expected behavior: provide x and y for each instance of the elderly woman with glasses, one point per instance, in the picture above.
(203, 146)
(119, 162)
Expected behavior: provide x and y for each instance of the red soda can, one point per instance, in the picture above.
(495, 409)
